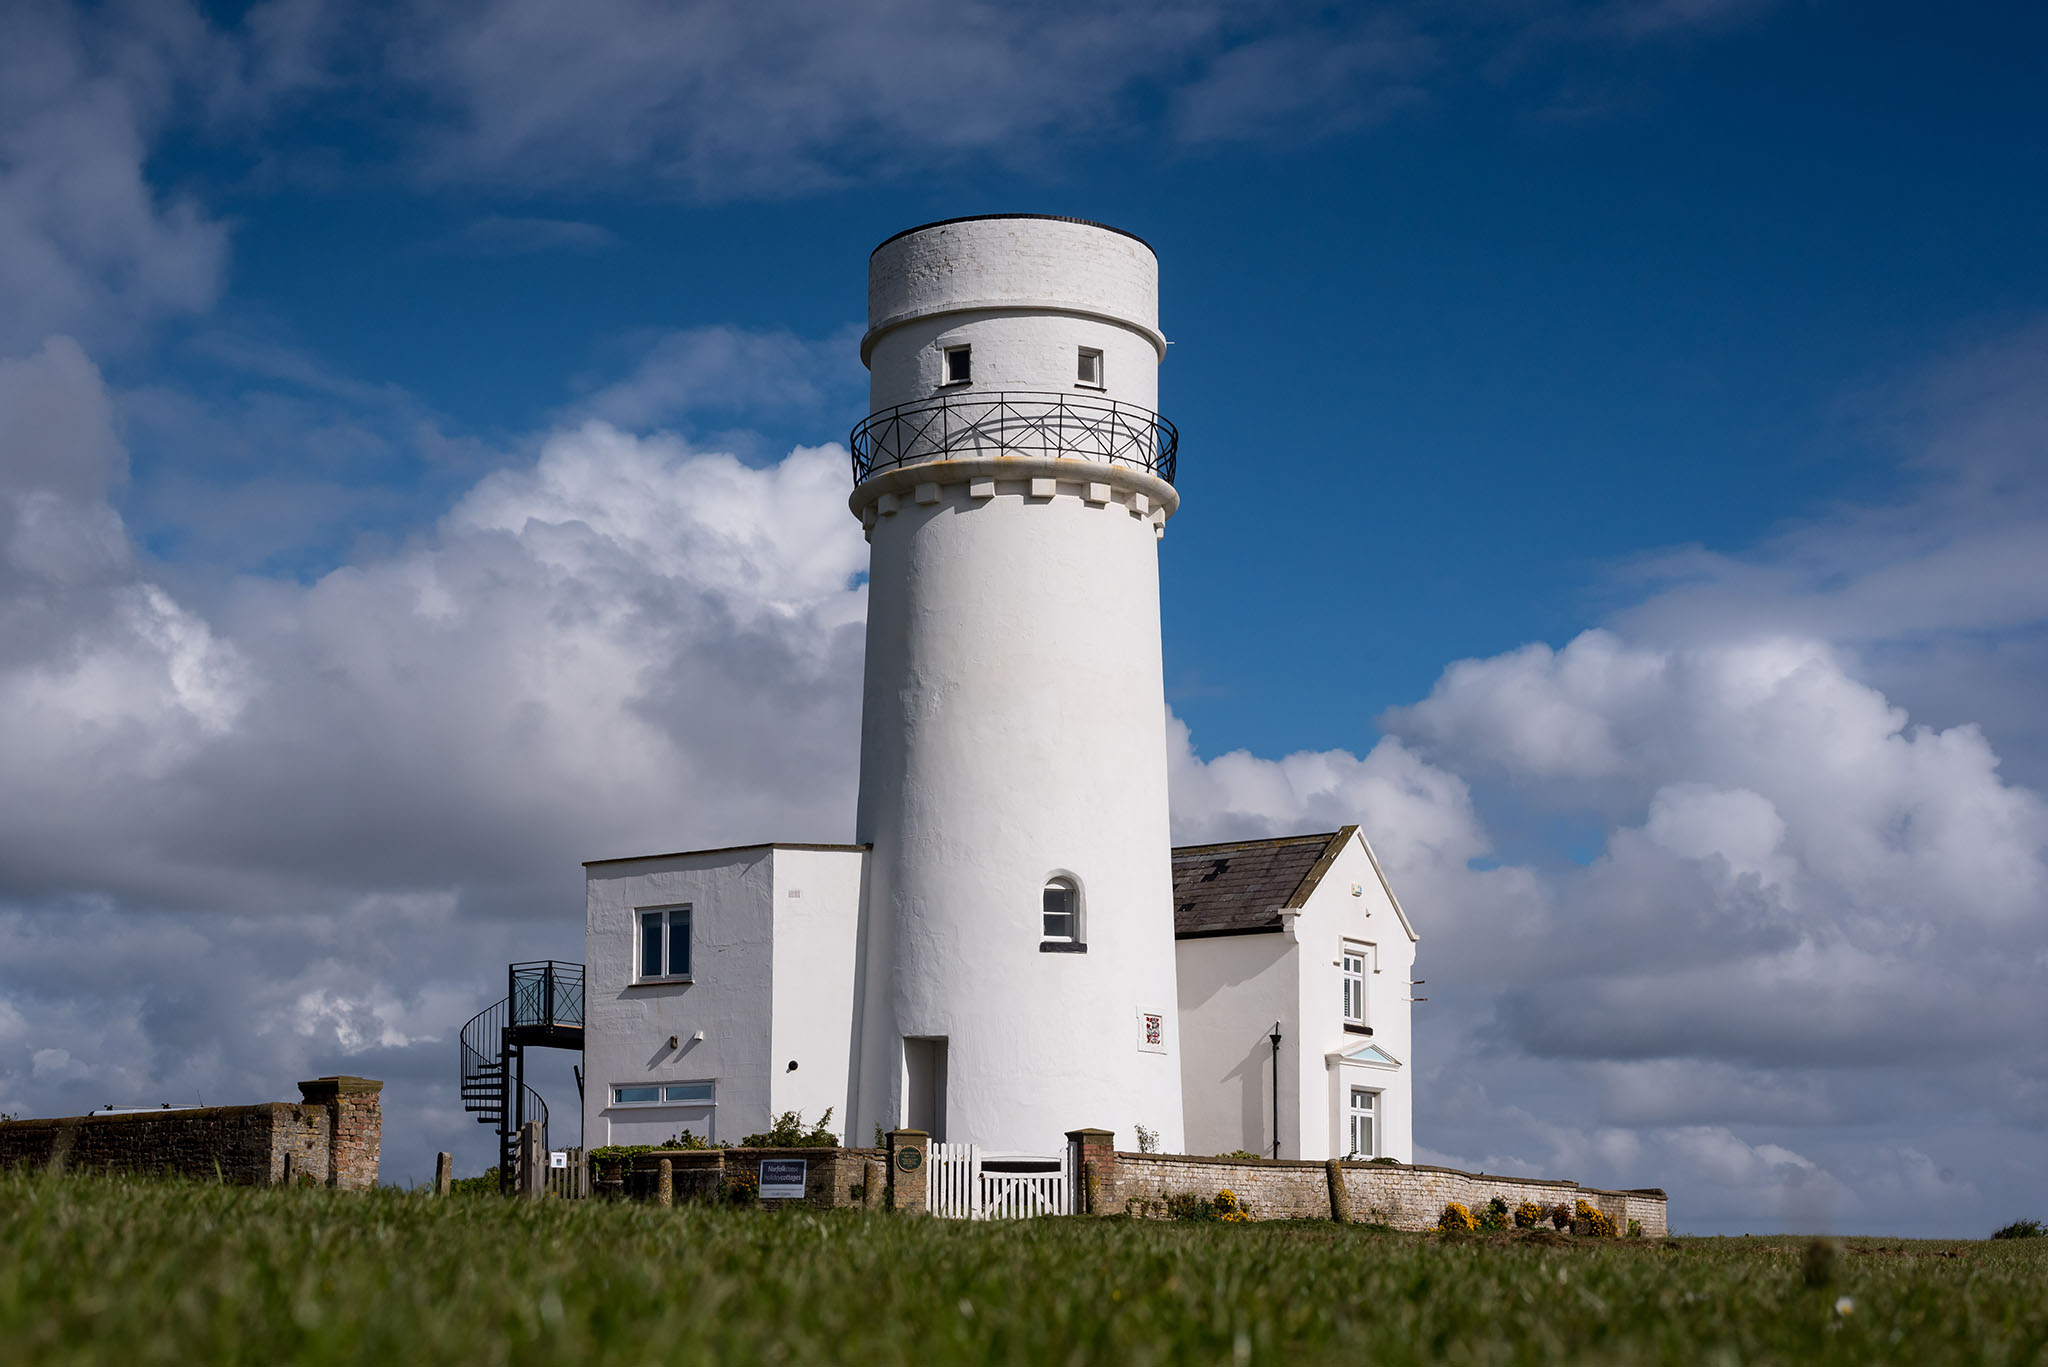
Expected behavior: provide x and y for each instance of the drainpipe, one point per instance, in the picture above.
(1276, 1088)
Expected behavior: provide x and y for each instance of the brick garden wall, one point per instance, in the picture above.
(265, 1144)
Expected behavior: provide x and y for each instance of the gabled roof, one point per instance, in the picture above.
(1240, 887)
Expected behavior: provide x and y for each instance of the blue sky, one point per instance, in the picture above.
(1675, 365)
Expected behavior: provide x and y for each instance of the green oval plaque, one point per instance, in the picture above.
(910, 1160)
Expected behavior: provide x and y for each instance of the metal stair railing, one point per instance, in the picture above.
(487, 1090)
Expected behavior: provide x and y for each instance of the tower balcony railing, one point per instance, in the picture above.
(1014, 423)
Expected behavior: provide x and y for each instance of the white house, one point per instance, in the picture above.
(1009, 952)
(1294, 960)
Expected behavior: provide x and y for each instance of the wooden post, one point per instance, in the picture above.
(665, 1183)
(1340, 1198)
(444, 1173)
(533, 1163)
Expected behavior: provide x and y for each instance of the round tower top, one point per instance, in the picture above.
(1021, 263)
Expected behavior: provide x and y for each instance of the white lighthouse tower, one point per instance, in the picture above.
(1016, 976)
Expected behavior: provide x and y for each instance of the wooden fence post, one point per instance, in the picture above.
(533, 1163)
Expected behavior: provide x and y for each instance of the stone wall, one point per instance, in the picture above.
(273, 1142)
(1110, 1182)
(1405, 1197)
(834, 1177)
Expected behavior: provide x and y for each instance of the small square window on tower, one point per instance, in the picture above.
(1089, 371)
(959, 364)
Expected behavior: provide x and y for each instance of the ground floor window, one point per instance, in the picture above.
(1364, 1133)
(670, 1093)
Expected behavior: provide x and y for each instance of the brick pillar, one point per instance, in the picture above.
(444, 1173)
(355, 1127)
(908, 1152)
(1094, 1171)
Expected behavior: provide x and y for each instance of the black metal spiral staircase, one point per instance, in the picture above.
(542, 1007)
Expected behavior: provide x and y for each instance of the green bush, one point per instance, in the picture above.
(484, 1183)
(788, 1132)
(2020, 1229)
(1493, 1216)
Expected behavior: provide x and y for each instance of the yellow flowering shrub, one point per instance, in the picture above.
(1528, 1215)
(1456, 1219)
(1588, 1220)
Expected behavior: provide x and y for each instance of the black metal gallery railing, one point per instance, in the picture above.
(546, 992)
(1015, 423)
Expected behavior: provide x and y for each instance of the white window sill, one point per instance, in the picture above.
(1098, 388)
(663, 982)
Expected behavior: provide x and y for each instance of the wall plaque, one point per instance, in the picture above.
(782, 1179)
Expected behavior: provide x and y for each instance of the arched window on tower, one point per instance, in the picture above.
(1062, 917)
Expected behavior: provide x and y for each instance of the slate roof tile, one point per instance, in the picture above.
(1238, 888)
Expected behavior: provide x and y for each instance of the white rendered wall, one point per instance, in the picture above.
(817, 923)
(1014, 722)
(1232, 989)
(627, 1025)
(1331, 916)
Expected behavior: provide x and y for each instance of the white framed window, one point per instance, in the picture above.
(1088, 371)
(665, 1094)
(1061, 917)
(959, 364)
(1354, 960)
(665, 944)
(1364, 1117)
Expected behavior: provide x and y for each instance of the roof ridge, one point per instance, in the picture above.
(1324, 836)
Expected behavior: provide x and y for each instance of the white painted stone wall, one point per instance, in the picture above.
(1013, 725)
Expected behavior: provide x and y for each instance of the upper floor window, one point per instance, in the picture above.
(1354, 984)
(665, 943)
(959, 364)
(1089, 371)
(1062, 917)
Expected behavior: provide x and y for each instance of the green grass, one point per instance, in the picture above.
(138, 1272)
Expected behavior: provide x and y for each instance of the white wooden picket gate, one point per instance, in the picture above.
(960, 1185)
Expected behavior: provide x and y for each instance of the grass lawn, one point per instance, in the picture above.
(137, 1272)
